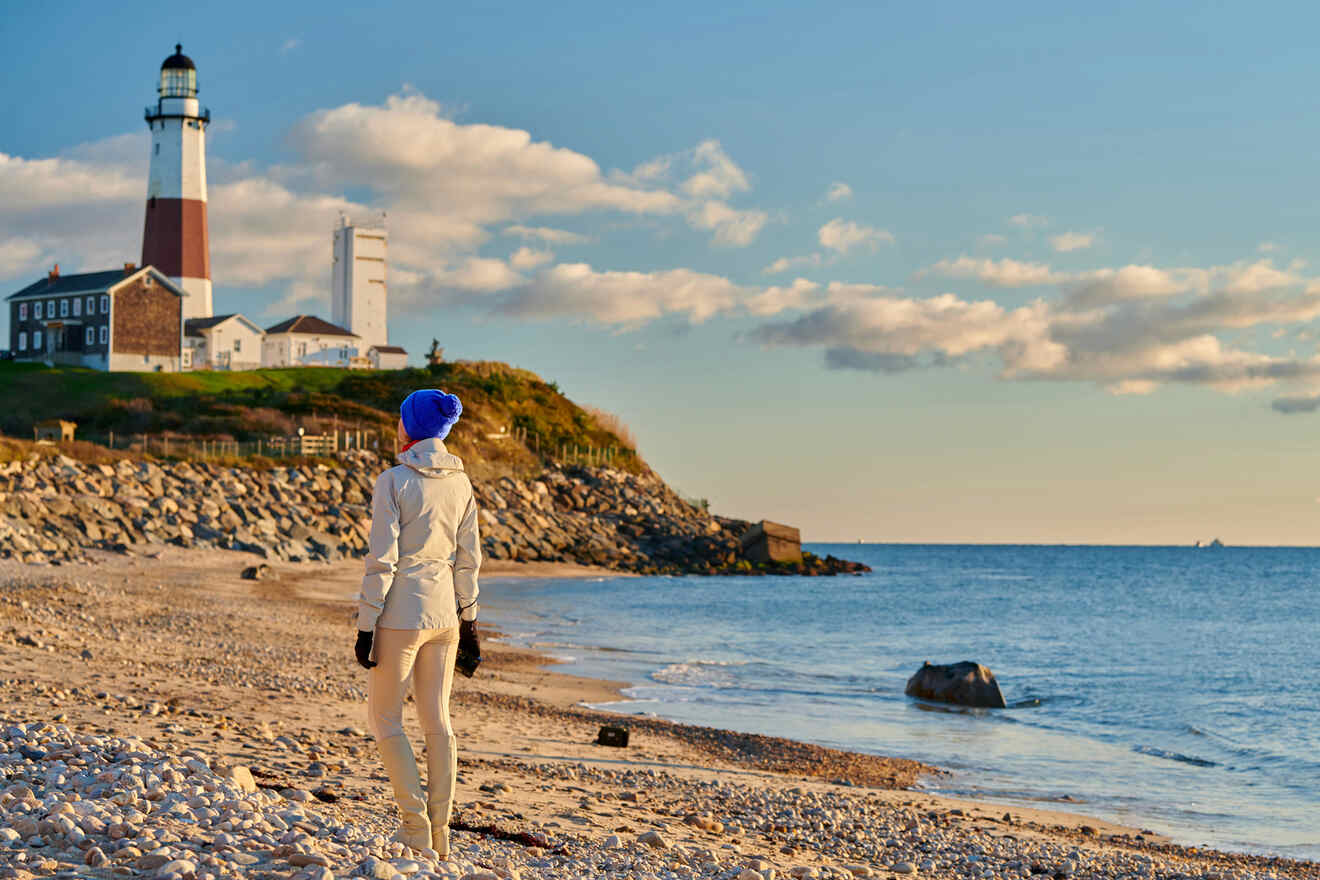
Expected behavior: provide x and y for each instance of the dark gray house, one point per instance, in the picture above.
(127, 319)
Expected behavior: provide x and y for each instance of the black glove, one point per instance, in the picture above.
(469, 648)
(363, 649)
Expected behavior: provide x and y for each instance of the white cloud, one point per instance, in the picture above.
(773, 300)
(783, 264)
(990, 239)
(1267, 247)
(719, 176)
(526, 258)
(290, 44)
(1068, 242)
(841, 235)
(626, 299)
(707, 176)
(1128, 330)
(996, 273)
(547, 234)
(1028, 221)
(838, 192)
(415, 158)
(732, 227)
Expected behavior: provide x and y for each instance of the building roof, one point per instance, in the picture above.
(195, 326)
(80, 283)
(90, 282)
(311, 325)
(178, 61)
(389, 349)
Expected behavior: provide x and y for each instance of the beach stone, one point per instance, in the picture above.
(749, 874)
(181, 867)
(904, 868)
(653, 839)
(8, 836)
(962, 684)
(376, 869)
(303, 859)
(95, 857)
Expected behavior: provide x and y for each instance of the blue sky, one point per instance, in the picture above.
(975, 273)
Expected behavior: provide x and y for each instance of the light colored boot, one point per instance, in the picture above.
(441, 773)
(414, 828)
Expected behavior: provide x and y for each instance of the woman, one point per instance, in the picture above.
(421, 578)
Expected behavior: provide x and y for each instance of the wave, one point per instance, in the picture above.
(699, 673)
(1175, 756)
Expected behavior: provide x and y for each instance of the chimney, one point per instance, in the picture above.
(129, 268)
(54, 273)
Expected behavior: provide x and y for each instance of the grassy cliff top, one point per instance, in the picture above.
(245, 405)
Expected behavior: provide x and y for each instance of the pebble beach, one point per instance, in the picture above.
(163, 717)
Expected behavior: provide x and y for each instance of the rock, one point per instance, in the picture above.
(653, 839)
(239, 776)
(303, 859)
(95, 858)
(182, 867)
(904, 868)
(256, 572)
(963, 684)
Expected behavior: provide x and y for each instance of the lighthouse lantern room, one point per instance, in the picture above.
(174, 238)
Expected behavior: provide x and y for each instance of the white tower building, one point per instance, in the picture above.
(174, 238)
(357, 282)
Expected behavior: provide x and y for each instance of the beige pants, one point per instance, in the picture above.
(425, 655)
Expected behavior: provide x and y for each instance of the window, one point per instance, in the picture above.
(157, 149)
(91, 305)
(238, 345)
(105, 304)
(36, 311)
(50, 308)
(89, 336)
(104, 335)
(302, 349)
(77, 307)
(22, 311)
(64, 308)
(36, 339)
(22, 341)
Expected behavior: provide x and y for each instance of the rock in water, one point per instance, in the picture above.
(963, 684)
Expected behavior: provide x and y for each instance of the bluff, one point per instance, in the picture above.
(55, 507)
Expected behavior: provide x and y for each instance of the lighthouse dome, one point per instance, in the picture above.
(178, 61)
(178, 75)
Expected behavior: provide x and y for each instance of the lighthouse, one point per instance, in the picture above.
(174, 238)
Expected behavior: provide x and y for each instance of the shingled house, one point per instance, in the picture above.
(127, 319)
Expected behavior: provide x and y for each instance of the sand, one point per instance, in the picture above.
(177, 649)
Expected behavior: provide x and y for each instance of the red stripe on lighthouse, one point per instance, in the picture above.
(174, 239)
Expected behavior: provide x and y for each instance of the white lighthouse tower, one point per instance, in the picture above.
(174, 239)
(357, 281)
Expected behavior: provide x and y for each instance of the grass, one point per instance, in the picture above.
(249, 404)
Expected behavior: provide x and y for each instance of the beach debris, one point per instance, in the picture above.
(962, 684)
(256, 572)
(612, 735)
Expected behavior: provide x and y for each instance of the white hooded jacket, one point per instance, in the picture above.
(425, 547)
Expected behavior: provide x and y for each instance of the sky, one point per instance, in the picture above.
(965, 273)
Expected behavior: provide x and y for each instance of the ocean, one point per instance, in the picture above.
(1168, 688)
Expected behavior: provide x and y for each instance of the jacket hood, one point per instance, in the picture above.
(430, 458)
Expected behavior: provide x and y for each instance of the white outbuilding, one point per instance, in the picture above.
(309, 341)
(222, 342)
(387, 357)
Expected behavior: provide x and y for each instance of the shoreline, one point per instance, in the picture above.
(177, 649)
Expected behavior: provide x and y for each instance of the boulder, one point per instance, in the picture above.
(963, 684)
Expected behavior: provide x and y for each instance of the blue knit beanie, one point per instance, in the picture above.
(430, 413)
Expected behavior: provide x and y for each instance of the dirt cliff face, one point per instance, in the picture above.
(52, 508)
